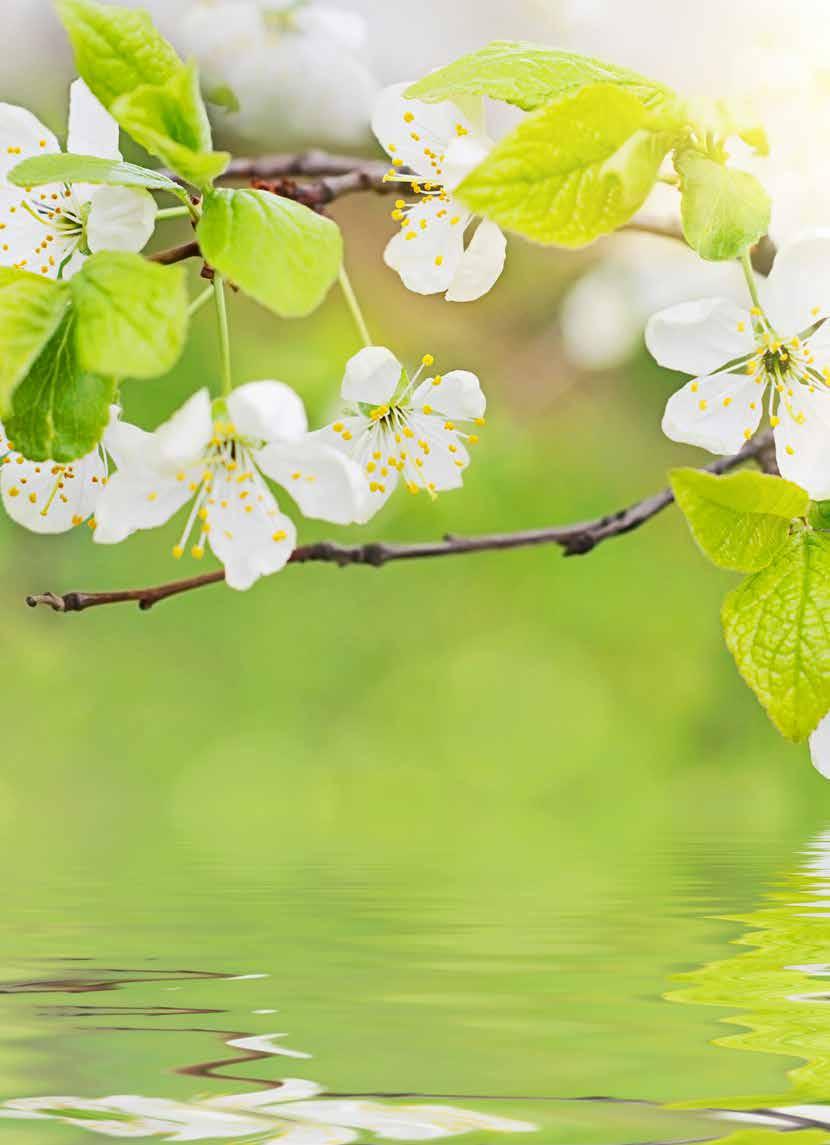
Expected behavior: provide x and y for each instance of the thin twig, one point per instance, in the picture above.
(575, 540)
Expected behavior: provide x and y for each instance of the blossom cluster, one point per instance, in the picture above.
(217, 458)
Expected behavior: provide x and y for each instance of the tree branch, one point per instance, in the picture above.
(575, 540)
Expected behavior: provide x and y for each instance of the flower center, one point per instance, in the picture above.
(229, 489)
(783, 368)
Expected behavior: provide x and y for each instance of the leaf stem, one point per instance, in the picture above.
(749, 275)
(172, 213)
(224, 333)
(354, 307)
(202, 300)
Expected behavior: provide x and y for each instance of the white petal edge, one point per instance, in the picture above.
(371, 376)
(797, 291)
(326, 484)
(268, 411)
(697, 414)
(182, 440)
(820, 748)
(92, 130)
(459, 395)
(480, 266)
(700, 337)
(120, 218)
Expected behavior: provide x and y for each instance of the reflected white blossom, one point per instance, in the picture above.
(292, 1113)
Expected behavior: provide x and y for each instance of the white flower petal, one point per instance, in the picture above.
(248, 533)
(92, 130)
(371, 376)
(715, 413)
(428, 251)
(24, 241)
(326, 484)
(397, 122)
(480, 265)
(700, 337)
(820, 747)
(797, 291)
(48, 498)
(463, 154)
(181, 441)
(445, 459)
(120, 218)
(459, 395)
(138, 498)
(803, 450)
(268, 411)
(22, 135)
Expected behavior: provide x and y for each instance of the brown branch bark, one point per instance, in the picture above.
(575, 540)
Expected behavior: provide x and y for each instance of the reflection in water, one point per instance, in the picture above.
(292, 1112)
(777, 985)
(287, 1114)
(782, 985)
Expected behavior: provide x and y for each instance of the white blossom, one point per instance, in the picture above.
(50, 496)
(774, 357)
(214, 458)
(399, 428)
(49, 230)
(441, 144)
(310, 60)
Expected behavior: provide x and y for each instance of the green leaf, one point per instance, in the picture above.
(61, 168)
(777, 626)
(528, 76)
(59, 412)
(742, 521)
(573, 171)
(139, 78)
(131, 315)
(279, 252)
(116, 49)
(31, 308)
(820, 515)
(223, 96)
(170, 121)
(724, 211)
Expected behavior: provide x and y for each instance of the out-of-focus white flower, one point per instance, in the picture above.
(604, 314)
(770, 64)
(297, 69)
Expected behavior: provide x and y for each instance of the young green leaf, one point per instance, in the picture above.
(724, 211)
(279, 252)
(740, 522)
(170, 121)
(31, 308)
(59, 412)
(116, 49)
(131, 316)
(777, 626)
(60, 168)
(573, 171)
(528, 76)
(820, 515)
